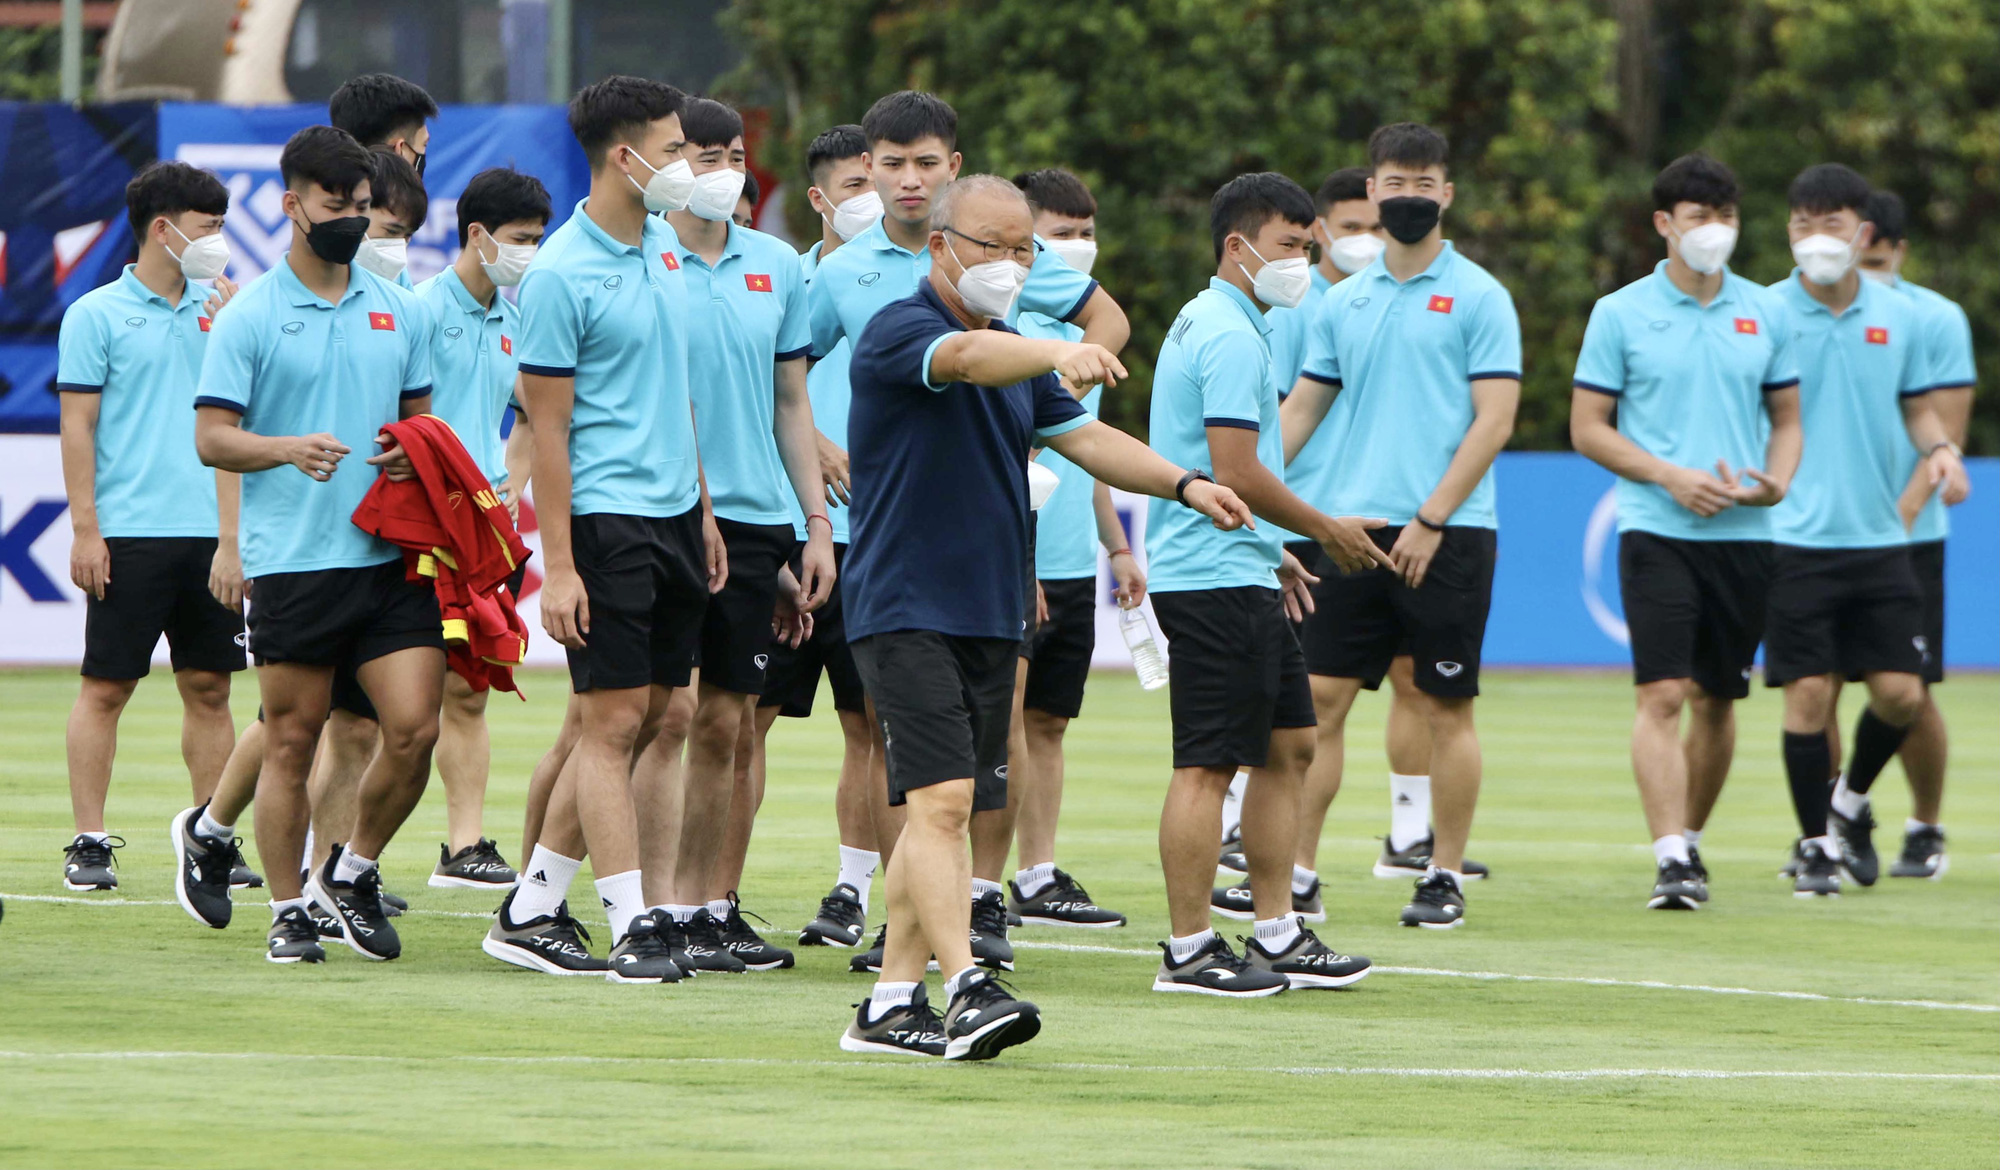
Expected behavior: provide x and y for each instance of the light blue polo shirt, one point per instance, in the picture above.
(1214, 370)
(473, 367)
(142, 354)
(1854, 372)
(1690, 382)
(744, 315)
(1405, 354)
(827, 386)
(1948, 344)
(292, 363)
(1066, 527)
(1288, 356)
(615, 318)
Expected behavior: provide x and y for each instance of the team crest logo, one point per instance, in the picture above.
(762, 661)
(455, 332)
(293, 328)
(1358, 303)
(868, 278)
(614, 283)
(1450, 669)
(136, 322)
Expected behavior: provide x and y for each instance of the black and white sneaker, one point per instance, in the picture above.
(1700, 874)
(1923, 855)
(1061, 903)
(87, 863)
(241, 876)
(394, 906)
(701, 937)
(1438, 903)
(1416, 861)
(327, 925)
(293, 939)
(364, 925)
(841, 920)
(990, 947)
(1855, 837)
(1307, 962)
(201, 870)
(1794, 860)
(644, 955)
(749, 946)
(1818, 875)
(478, 866)
(910, 1030)
(1230, 863)
(550, 943)
(1216, 970)
(1675, 887)
(1235, 902)
(869, 962)
(984, 1018)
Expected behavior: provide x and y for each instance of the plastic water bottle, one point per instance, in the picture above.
(1138, 633)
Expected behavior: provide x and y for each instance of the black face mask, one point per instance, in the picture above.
(1409, 218)
(421, 160)
(337, 240)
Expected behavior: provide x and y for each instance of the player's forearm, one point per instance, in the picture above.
(552, 503)
(1785, 447)
(1116, 458)
(1483, 442)
(520, 454)
(78, 444)
(412, 407)
(1603, 444)
(1301, 412)
(1110, 530)
(1953, 406)
(1920, 420)
(228, 506)
(225, 446)
(1103, 321)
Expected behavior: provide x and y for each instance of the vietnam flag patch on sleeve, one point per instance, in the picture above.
(1747, 325)
(671, 261)
(1877, 336)
(1440, 305)
(757, 281)
(203, 322)
(506, 345)
(383, 321)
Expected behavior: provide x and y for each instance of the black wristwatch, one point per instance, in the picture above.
(1193, 474)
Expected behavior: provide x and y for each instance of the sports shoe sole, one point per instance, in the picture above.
(440, 881)
(1673, 902)
(1815, 893)
(1160, 984)
(525, 959)
(1393, 871)
(1234, 915)
(1300, 981)
(271, 958)
(178, 831)
(1035, 920)
(1943, 864)
(74, 888)
(1454, 924)
(772, 965)
(246, 885)
(615, 977)
(808, 938)
(852, 1043)
(994, 1037)
(319, 897)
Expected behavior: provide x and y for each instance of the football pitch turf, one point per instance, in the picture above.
(1561, 1026)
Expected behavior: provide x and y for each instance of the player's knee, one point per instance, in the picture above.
(1044, 727)
(1449, 716)
(106, 696)
(1809, 701)
(944, 809)
(410, 739)
(1898, 698)
(1661, 701)
(1713, 710)
(203, 690)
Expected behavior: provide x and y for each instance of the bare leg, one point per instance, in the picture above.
(1710, 749)
(542, 783)
(1925, 752)
(707, 789)
(1455, 768)
(92, 741)
(238, 783)
(407, 688)
(295, 702)
(1658, 763)
(208, 729)
(1039, 791)
(1332, 699)
(1189, 824)
(655, 770)
(1409, 730)
(464, 757)
(851, 805)
(1271, 819)
(930, 885)
(746, 797)
(600, 772)
(888, 818)
(346, 746)
(993, 828)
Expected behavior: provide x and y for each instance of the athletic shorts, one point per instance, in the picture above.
(1927, 559)
(1362, 621)
(1060, 663)
(1236, 674)
(791, 683)
(342, 618)
(1695, 608)
(944, 703)
(646, 578)
(159, 585)
(736, 629)
(1843, 611)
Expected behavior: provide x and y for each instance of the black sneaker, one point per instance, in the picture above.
(1795, 860)
(364, 925)
(749, 946)
(911, 1030)
(1675, 887)
(1307, 962)
(984, 1018)
(201, 870)
(478, 866)
(1235, 902)
(327, 925)
(1416, 862)
(1216, 970)
(550, 943)
(644, 955)
(990, 947)
(241, 876)
(1923, 855)
(1700, 874)
(1232, 862)
(1438, 903)
(1062, 903)
(293, 939)
(1818, 876)
(392, 905)
(841, 920)
(869, 962)
(87, 863)
(1856, 839)
(702, 939)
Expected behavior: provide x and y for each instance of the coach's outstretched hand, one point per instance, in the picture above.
(1085, 365)
(1219, 504)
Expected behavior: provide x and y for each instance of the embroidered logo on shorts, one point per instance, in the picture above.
(762, 661)
(1923, 646)
(1001, 771)
(243, 639)
(1450, 669)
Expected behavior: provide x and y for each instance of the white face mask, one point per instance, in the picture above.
(384, 257)
(856, 215)
(1281, 284)
(716, 193)
(1880, 276)
(669, 188)
(1351, 254)
(989, 289)
(1824, 259)
(1078, 254)
(1706, 248)
(510, 261)
(203, 259)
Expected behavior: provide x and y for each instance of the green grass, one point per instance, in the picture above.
(445, 1057)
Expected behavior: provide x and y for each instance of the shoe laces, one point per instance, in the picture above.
(215, 865)
(1435, 890)
(1216, 953)
(834, 908)
(91, 851)
(734, 926)
(702, 928)
(989, 915)
(296, 925)
(567, 928)
(366, 898)
(986, 991)
(651, 940)
(1066, 889)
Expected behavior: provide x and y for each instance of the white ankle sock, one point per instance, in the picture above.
(1672, 847)
(207, 826)
(981, 887)
(1823, 844)
(857, 869)
(1457, 879)
(1913, 825)
(1847, 802)
(350, 866)
(888, 996)
(1303, 879)
(100, 838)
(682, 913)
(1036, 878)
(306, 854)
(278, 908)
(956, 983)
(1409, 810)
(1232, 805)
(1693, 837)
(1275, 934)
(1183, 949)
(719, 909)
(544, 883)
(623, 900)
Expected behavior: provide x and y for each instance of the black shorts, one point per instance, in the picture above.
(159, 585)
(342, 618)
(1843, 611)
(1236, 674)
(944, 703)
(647, 581)
(736, 630)
(1927, 560)
(1362, 621)
(791, 683)
(1695, 608)
(1060, 664)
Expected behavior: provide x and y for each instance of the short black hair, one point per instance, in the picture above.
(908, 116)
(375, 105)
(1247, 202)
(1058, 192)
(1694, 178)
(707, 122)
(1828, 187)
(1342, 185)
(169, 188)
(841, 142)
(618, 109)
(501, 195)
(1410, 144)
(327, 156)
(395, 185)
(1891, 218)
(751, 191)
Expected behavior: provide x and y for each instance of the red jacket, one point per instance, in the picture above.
(455, 532)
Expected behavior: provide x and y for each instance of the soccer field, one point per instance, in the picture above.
(1562, 1026)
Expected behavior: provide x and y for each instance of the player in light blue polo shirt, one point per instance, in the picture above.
(1695, 364)
(1419, 357)
(143, 508)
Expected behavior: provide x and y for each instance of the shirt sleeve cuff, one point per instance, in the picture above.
(423, 391)
(224, 403)
(792, 355)
(1322, 379)
(548, 371)
(1089, 292)
(78, 388)
(929, 352)
(1781, 384)
(1594, 388)
(1479, 375)
(1919, 392)
(1243, 424)
(1064, 427)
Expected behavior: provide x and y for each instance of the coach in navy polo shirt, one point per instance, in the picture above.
(947, 401)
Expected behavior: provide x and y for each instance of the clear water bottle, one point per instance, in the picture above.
(1138, 633)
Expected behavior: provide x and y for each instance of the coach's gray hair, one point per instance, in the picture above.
(967, 187)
